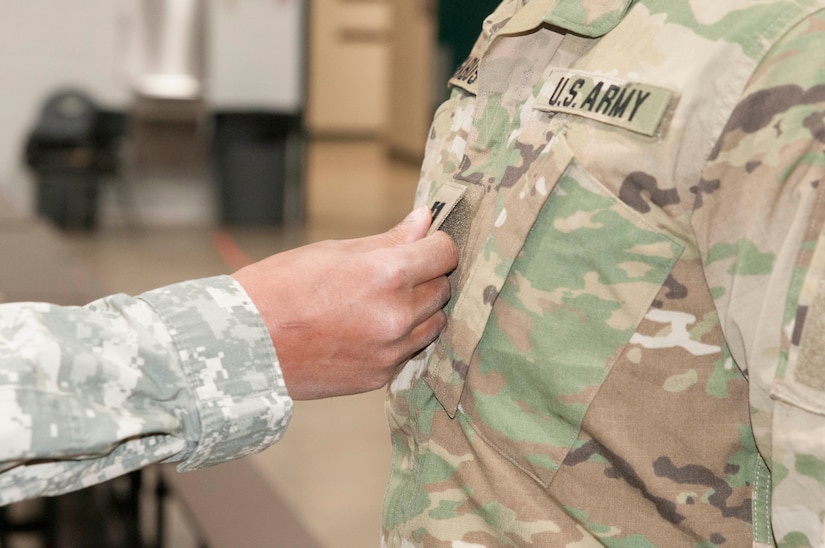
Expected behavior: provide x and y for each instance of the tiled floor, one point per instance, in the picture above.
(333, 463)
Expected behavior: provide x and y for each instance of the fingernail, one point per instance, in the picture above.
(416, 214)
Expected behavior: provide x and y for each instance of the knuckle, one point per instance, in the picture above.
(393, 275)
(380, 382)
(437, 325)
(445, 290)
(396, 325)
(386, 362)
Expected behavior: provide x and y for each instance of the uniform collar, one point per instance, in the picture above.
(592, 18)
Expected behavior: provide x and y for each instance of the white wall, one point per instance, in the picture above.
(47, 44)
(255, 57)
(256, 48)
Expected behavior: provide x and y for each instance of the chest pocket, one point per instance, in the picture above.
(548, 304)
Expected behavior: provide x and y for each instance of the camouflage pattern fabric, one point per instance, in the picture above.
(182, 373)
(634, 354)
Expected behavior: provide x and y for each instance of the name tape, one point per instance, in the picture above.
(466, 75)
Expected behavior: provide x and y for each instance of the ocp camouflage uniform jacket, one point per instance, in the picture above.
(182, 373)
(634, 355)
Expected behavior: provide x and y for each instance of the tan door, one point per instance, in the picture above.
(349, 52)
(412, 75)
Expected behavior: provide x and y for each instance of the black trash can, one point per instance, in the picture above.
(72, 144)
(249, 151)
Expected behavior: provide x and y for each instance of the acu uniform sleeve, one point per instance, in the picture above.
(182, 373)
(759, 223)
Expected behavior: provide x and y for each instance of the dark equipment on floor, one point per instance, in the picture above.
(72, 146)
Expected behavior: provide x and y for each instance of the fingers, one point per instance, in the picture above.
(428, 303)
(424, 333)
(426, 259)
(429, 297)
(412, 228)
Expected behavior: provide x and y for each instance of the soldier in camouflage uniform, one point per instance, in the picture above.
(188, 372)
(633, 355)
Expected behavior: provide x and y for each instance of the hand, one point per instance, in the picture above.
(344, 314)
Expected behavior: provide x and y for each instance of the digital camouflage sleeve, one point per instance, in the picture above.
(182, 373)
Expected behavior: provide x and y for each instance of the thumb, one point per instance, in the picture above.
(412, 228)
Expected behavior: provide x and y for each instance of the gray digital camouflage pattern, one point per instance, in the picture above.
(182, 373)
(634, 355)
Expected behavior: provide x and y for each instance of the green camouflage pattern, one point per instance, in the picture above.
(633, 354)
(182, 373)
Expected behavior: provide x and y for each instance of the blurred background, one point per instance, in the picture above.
(143, 142)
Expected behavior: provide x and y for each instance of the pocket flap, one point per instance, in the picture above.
(517, 209)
